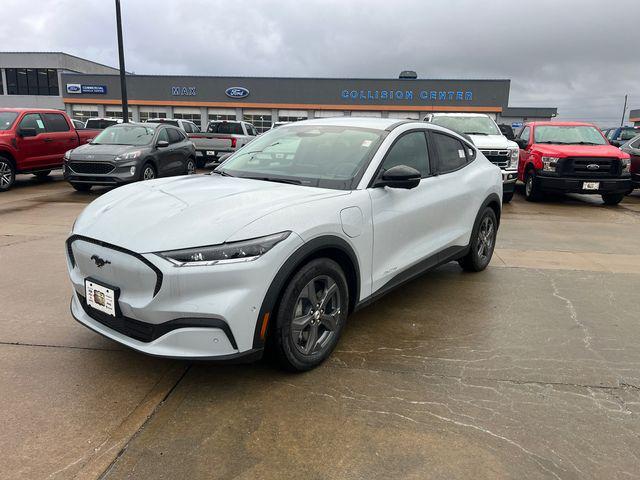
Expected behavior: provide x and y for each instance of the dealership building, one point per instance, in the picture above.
(88, 89)
(634, 117)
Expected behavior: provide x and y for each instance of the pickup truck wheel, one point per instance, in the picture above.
(507, 197)
(42, 174)
(148, 172)
(7, 174)
(531, 190)
(311, 316)
(81, 187)
(612, 198)
(483, 241)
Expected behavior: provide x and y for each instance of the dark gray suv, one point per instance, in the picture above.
(129, 152)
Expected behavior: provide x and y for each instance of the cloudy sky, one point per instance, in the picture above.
(578, 55)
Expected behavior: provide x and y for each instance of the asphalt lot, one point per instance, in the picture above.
(530, 369)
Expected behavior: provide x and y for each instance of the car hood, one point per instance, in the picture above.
(579, 150)
(188, 211)
(100, 152)
(493, 142)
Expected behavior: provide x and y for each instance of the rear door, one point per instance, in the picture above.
(406, 223)
(178, 148)
(62, 136)
(34, 151)
(164, 154)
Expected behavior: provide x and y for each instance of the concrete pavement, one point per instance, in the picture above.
(530, 369)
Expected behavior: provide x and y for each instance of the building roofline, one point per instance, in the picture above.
(63, 53)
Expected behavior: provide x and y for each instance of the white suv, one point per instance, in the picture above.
(310, 221)
(486, 135)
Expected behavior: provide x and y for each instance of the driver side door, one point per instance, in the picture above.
(406, 222)
(163, 154)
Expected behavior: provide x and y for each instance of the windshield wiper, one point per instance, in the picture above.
(276, 179)
(221, 173)
(476, 133)
(586, 143)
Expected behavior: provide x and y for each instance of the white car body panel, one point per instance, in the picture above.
(389, 230)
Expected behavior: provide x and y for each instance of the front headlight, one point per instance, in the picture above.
(549, 164)
(243, 251)
(625, 163)
(67, 154)
(129, 155)
(515, 156)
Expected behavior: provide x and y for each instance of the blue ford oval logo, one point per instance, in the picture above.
(73, 88)
(236, 92)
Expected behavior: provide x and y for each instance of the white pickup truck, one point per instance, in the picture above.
(485, 135)
(221, 137)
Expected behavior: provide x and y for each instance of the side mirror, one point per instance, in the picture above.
(27, 132)
(162, 144)
(522, 143)
(400, 176)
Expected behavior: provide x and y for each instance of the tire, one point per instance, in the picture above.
(201, 162)
(483, 241)
(612, 198)
(532, 191)
(42, 174)
(7, 174)
(507, 197)
(305, 333)
(190, 166)
(148, 172)
(82, 187)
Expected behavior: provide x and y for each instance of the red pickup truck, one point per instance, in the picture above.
(35, 141)
(571, 157)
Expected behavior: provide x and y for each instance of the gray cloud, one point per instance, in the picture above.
(577, 55)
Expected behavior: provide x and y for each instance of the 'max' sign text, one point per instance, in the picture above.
(184, 91)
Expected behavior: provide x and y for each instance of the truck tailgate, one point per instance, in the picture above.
(213, 142)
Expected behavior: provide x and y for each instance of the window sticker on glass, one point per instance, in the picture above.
(366, 143)
(461, 153)
(40, 123)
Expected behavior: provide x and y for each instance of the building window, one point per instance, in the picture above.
(32, 81)
(146, 115)
(84, 112)
(261, 119)
(117, 113)
(292, 115)
(328, 113)
(217, 114)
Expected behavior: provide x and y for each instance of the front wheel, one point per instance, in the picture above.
(483, 241)
(612, 198)
(148, 172)
(7, 174)
(531, 189)
(312, 314)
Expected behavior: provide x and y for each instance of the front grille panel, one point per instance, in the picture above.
(144, 332)
(92, 168)
(501, 158)
(591, 167)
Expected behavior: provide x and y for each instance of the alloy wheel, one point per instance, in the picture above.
(486, 234)
(149, 173)
(191, 167)
(528, 186)
(316, 315)
(6, 175)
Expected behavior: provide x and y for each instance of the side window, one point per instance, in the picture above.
(55, 122)
(525, 133)
(610, 133)
(410, 150)
(452, 153)
(33, 120)
(163, 136)
(188, 127)
(175, 136)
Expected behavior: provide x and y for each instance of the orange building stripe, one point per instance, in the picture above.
(634, 119)
(285, 106)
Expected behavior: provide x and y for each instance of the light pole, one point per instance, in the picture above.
(123, 80)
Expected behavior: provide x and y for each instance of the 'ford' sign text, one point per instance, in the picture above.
(74, 88)
(237, 92)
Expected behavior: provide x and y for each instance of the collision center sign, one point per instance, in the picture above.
(76, 88)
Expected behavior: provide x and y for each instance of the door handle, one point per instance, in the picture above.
(48, 139)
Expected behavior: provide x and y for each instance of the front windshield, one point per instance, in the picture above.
(480, 125)
(569, 135)
(125, 134)
(315, 155)
(7, 119)
(628, 133)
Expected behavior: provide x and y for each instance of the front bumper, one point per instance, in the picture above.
(119, 176)
(575, 185)
(635, 180)
(509, 178)
(206, 313)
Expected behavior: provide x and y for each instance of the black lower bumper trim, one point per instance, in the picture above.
(148, 332)
(575, 185)
(509, 187)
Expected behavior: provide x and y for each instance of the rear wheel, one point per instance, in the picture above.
(612, 198)
(311, 316)
(483, 241)
(7, 174)
(507, 197)
(531, 189)
(190, 167)
(148, 172)
(82, 187)
(42, 174)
